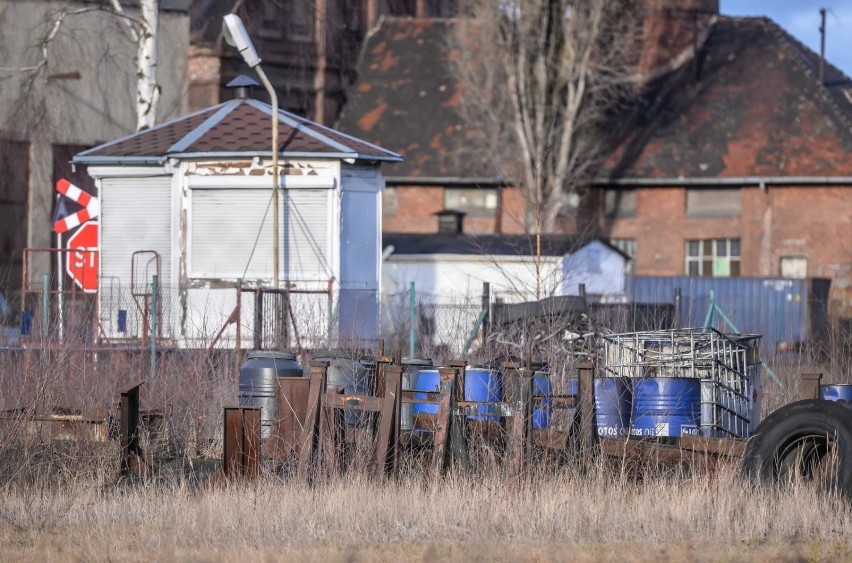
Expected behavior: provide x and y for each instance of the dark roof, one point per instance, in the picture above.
(238, 128)
(480, 244)
(405, 97)
(756, 110)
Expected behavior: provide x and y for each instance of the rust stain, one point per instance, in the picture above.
(369, 119)
(454, 100)
(389, 60)
(365, 87)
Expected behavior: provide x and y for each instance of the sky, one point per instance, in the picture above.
(801, 19)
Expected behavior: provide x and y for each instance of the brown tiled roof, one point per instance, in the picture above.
(756, 109)
(406, 97)
(234, 128)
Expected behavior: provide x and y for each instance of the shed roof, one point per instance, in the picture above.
(240, 128)
(485, 244)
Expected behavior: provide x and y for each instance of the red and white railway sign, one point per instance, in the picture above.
(83, 261)
(91, 206)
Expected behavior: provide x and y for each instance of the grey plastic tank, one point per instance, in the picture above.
(257, 383)
(410, 368)
(356, 376)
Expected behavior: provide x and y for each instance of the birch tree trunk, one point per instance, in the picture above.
(147, 87)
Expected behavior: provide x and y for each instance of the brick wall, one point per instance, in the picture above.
(204, 68)
(808, 221)
(417, 205)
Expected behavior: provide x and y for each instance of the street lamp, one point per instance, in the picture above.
(236, 36)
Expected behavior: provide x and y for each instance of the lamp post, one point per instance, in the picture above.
(236, 35)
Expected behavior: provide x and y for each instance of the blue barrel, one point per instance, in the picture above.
(426, 380)
(485, 385)
(612, 407)
(541, 387)
(839, 393)
(666, 406)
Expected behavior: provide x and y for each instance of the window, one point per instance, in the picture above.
(301, 20)
(389, 201)
(270, 22)
(620, 203)
(702, 202)
(717, 258)
(794, 267)
(473, 201)
(627, 246)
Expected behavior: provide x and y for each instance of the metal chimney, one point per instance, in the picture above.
(242, 86)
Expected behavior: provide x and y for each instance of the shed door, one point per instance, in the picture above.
(136, 214)
(306, 226)
(229, 236)
(229, 242)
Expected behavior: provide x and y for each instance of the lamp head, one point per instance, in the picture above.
(236, 35)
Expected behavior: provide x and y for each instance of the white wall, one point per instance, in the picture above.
(512, 278)
(598, 266)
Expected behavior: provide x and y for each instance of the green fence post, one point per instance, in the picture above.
(154, 324)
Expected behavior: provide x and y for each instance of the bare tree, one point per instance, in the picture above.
(539, 76)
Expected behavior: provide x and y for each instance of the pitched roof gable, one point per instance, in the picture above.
(235, 128)
(756, 109)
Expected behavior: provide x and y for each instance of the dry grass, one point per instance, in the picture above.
(600, 515)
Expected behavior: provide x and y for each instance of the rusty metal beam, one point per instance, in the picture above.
(241, 442)
(809, 387)
(586, 408)
(387, 447)
(311, 431)
(128, 429)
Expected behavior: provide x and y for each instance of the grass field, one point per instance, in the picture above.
(552, 516)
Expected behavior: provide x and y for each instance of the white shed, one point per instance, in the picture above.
(194, 195)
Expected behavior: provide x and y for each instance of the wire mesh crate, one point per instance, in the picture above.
(725, 365)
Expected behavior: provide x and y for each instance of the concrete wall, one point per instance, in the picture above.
(84, 95)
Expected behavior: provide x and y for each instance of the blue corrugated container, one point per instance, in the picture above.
(784, 311)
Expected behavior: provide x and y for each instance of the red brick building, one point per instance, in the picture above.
(736, 164)
(735, 161)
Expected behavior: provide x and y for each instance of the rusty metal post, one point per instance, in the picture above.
(310, 432)
(443, 420)
(586, 407)
(387, 449)
(521, 381)
(809, 387)
(128, 429)
(242, 442)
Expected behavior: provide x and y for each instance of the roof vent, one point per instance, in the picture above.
(450, 221)
(242, 86)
